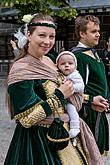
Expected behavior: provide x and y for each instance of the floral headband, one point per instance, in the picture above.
(27, 18)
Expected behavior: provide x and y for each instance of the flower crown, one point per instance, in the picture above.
(27, 18)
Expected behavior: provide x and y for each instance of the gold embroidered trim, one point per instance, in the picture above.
(80, 149)
(57, 140)
(85, 98)
(57, 104)
(43, 125)
(89, 53)
(60, 78)
(79, 156)
(35, 116)
(50, 102)
(57, 99)
(105, 153)
(49, 87)
(70, 155)
(25, 113)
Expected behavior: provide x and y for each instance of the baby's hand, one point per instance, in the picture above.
(66, 88)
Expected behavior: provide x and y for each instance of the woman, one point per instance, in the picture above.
(35, 90)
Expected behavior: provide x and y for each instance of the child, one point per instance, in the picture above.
(67, 64)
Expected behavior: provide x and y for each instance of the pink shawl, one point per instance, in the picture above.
(30, 68)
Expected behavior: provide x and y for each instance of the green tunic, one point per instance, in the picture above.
(29, 146)
(93, 74)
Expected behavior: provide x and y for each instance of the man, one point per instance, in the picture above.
(92, 70)
(16, 50)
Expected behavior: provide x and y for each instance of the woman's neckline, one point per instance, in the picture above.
(47, 61)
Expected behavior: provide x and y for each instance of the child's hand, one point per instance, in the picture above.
(66, 88)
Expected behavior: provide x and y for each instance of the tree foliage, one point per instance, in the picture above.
(59, 8)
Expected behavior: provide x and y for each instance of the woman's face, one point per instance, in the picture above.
(41, 40)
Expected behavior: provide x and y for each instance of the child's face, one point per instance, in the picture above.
(66, 64)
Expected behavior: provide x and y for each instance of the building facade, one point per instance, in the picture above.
(8, 25)
(65, 31)
(98, 8)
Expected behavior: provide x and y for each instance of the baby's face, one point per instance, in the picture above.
(66, 64)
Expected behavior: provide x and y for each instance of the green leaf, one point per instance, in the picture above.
(45, 6)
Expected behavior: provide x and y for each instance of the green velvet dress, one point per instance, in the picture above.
(29, 146)
(93, 73)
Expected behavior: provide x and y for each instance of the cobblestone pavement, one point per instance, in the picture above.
(7, 126)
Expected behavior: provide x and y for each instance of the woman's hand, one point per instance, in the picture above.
(67, 88)
(100, 104)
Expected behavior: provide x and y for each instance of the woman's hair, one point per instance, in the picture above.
(36, 18)
(81, 23)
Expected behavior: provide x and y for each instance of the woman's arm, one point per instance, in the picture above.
(28, 108)
(42, 109)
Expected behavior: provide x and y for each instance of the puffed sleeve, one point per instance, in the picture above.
(28, 107)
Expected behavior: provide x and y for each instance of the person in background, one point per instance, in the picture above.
(18, 40)
(67, 64)
(105, 56)
(35, 91)
(91, 68)
(15, 48)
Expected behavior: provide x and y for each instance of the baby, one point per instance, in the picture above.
(67, 64)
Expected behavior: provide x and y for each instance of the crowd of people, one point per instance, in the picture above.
(74, 83)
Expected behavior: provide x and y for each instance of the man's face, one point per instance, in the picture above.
(91, 37)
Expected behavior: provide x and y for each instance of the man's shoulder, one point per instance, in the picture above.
(77, 50)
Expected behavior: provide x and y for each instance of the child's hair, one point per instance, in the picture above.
(66, 53)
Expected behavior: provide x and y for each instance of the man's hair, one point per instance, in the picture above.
(82, 21)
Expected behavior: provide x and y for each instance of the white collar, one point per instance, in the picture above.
(80, 44)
